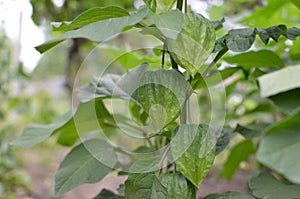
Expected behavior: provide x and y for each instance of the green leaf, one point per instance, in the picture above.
(145, 185)
(36, 133)
(215, 77)
(98, 31)
(84, 165)
(152, 4)
(112, 85)
(106, 194)
(279, 81)
(238, 153)
(220, 44)
(194, 43)
(166, 4)
(103, 87)
(294, 50)
(293, 33)
(85, 119)
(265, 186)
(193, 149)
(279, 149)
(178, 187)
(162, 94)
(88, 117)
(218, 24)
(146, 162)
(228, 195)
(250, 131)
(90, 16)
(223, 140)
(275, 32)
(263, 34)
(169, 23)
(240, 40)
(296, 3)
(127, 59)
(262, 58)
(287, 101)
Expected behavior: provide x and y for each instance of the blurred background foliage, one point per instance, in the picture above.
(40, 97)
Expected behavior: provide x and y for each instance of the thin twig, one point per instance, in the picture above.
(163, 56)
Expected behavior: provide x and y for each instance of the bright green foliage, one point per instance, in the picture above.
(169, 23)
(193, 151)
(166, 4)
(161, 94)
(90, 16)
(85, 119)
(145, 185)
(36, 133)
(282, 87)
(83, 165)
(152, 4)
(279, 81)
(287, 101)
(262, 58)
(238, 153)
(279, 149)
(129, 60)
(98, 31)
(160, 5)
(265, 186)
(178, 152)
(194, 43)
(297, 3)
(272, 13)
(178, 186)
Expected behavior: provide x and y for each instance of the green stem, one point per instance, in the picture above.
(179, 4)
(185, 6)
(150, 31)
(183, 112)
(183, 115)
(149, 141)
(163, 56)
(208, 69)
(174, 64)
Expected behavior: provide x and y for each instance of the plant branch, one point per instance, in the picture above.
(185, 6)
(179, 4)
(174, 64)
(208, 69)
(183, 112)
(163, 56)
